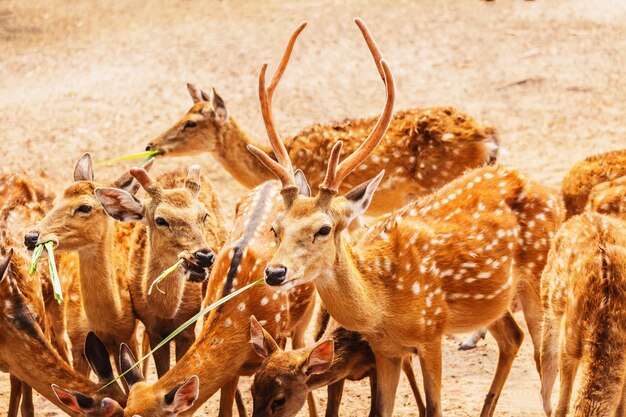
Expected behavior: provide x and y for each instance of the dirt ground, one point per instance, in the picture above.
(106, 77)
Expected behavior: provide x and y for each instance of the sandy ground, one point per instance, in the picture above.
(107, 76)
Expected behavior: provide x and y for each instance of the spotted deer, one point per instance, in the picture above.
(579, 181)
(180, 219)
(424, 148)
(31, 359)
(224, 338)
(584, 295)
(449, 262)
(281, 385)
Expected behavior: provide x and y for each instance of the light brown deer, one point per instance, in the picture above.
(222, 352)
(609, 198)
(584, 293)
(423, 148)
(586, 174)
(182, 220)
(450, 262)
(340, 355)
(28, 355)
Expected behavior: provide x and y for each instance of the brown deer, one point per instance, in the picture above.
(586, 174)
(182, 220)
(224, 338)
(28, 355)
(584, 294)
(424, 148)
(449, 262)
(609, 198)
(340, 355)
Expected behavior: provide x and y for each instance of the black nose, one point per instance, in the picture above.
(204, 258)
(275, 275)
(30, 239)
(149, 147)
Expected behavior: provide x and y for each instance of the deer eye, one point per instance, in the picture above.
(160, 221)
(278, 402)
(324, 231)
(274, 231)
(83, 209)
(205, 218)
(190, 124)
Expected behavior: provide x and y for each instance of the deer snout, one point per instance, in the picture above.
(204, 258)
(31, 239)
(275, 275)
(149, 147)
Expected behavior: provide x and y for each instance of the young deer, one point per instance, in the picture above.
(28, 355)
(225, 335)
(446, 263)
(586, 174)
(424, 148)
(340, 355)
(182, 221)
(584, 295)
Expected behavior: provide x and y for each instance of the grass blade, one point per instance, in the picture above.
(164, 275)
(147, 154)
(54, 274)
(186, 324)
(35, 259)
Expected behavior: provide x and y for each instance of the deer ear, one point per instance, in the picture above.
(302, 183)
(192, 180)
(129, 183)
(219, 108)
(5, 265)
(181, 398)
(320, 358)
(196, 93)
(127, 360)
(120, 204)
(83, 171)
(98, 357)
(360, 197)
(75, 401)
(262, 342)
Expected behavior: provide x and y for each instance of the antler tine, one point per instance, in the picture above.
(371, 44)
(280, 69)
(331, 170)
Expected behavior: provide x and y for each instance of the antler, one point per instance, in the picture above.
(336, 173)
(147, 182)
(283, 168)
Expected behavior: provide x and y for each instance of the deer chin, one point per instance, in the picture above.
(195, 273)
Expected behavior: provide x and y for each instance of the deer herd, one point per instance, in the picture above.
(460, 243)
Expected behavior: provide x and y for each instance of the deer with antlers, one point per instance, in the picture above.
(424, 148)
(449, 262)
(584, 293)
(340, 355)
(31, 359)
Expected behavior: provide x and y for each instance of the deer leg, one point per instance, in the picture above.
(16, 396)
(335, 392)
(27, 408)
(373, 389)
(549, 360)
(227, 397)
(161, 356)
(568, 365)
(387, 378)
(430, 361)
(407, 368)
(297, 341)
(533, 314)
(145, 348)
(241, 407)
(509, 337)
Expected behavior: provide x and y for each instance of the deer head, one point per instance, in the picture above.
(309, 233)
(279, 388)
(200, 128)
(77, 220)
(170, 402)
(176, 220)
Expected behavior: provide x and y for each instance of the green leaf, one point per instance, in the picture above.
(54, 275)
(35, 259)
(147, 154)
(164, 275)
(186, 324)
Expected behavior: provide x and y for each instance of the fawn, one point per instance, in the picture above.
(340, 355)
(449, 262)
(584, 295)
(425, 148)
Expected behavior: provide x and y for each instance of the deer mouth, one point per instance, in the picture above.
(195, 273)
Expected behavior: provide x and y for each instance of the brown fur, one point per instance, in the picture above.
(225, 335)
(609, 198)
(584, 293)
(584, 175)
(423, 149)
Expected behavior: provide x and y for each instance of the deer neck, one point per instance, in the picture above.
(234, 156)
(347, 293)
(166, 296)
(99, 287)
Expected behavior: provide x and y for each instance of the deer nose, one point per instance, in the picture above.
(275, 275)
(204, 258)
(31, 239)
(149, 147)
